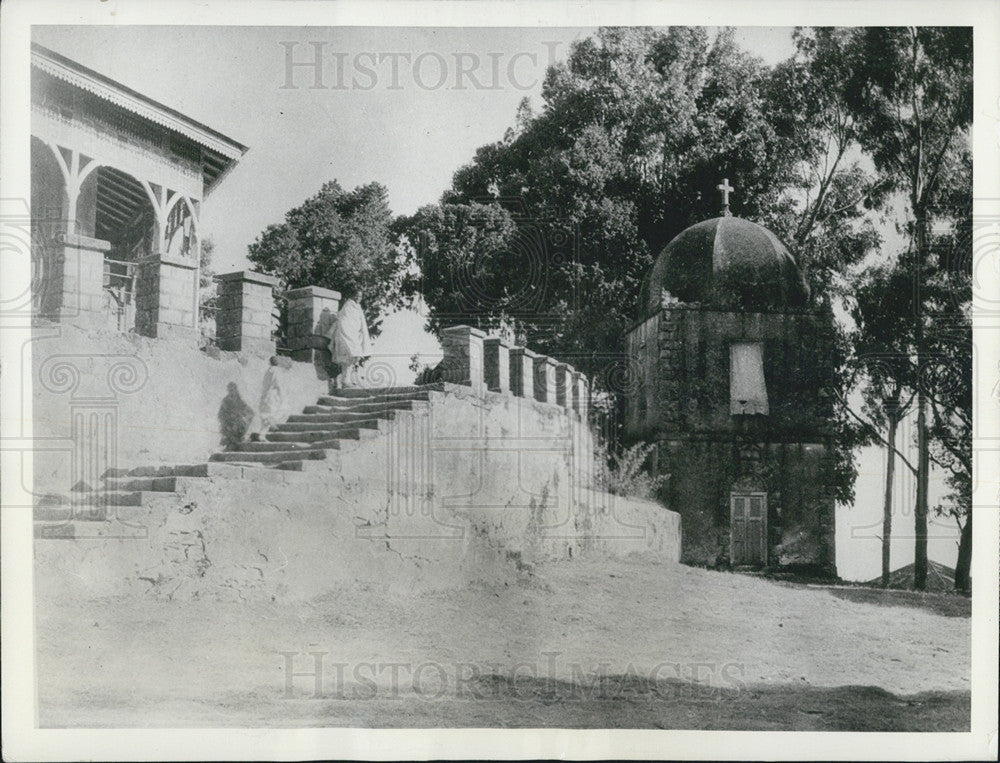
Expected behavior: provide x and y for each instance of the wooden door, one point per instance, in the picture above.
(748, 529)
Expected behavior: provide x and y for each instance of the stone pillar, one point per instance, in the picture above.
(545, 380)
(72, 285)
(166, 297)
(243, 319)
(522, 372)
(311, 311)
(579, 390)
(564, 385)
(463, 356)
(496, 365)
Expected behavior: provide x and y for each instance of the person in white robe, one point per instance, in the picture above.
(350, 342)
(273, 406)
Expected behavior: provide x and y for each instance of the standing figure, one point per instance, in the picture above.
(273, 403)
(349, 340)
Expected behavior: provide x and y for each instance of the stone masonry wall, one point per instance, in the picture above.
(473, 488)
(165, 397)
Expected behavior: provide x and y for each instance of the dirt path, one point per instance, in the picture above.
(625, 643)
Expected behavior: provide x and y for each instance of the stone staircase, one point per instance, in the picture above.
(314, 440)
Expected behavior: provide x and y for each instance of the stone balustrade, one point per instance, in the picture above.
(72, 288)
(489, 363)
(244, 319)
(311, 311)
(166, 297)
(522, 372)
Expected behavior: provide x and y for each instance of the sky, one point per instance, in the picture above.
(405, 107)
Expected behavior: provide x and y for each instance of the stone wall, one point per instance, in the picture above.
(800, 519)
(163, 398)
(683, 355)
(166, 297)
(472, 488)
(678, 397)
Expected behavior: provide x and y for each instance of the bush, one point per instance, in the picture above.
(625, 473)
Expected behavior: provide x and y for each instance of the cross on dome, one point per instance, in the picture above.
(726, 189)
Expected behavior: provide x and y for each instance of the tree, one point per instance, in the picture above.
(910, 93)
(635, 131)
(207, 295)
(883, 342)
(948, 293)
(335, 239)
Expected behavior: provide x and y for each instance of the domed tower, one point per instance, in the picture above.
(731, 367)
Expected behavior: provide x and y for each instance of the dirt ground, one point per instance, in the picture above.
(633, 644)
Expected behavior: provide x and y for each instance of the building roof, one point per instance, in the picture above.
(220, 152)
(727, 262)
(940, 577)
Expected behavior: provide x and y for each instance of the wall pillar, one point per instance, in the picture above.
(496, 365)
(463, 356)
(579, 393)
(545, 380)
(72, 286)
(166, 297)
(564, 385)
(244, 318)
(311, 310)
(522, 372)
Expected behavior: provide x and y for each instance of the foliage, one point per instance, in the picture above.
(338, 239)
(207, 294)
(625, 473)
(635, 131)
(909, 90)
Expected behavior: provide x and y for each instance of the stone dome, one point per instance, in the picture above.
(727, 262)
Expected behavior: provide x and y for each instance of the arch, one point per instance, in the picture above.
(124, 213)
(49, 189)
(181, 234)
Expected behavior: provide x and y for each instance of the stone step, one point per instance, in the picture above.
(420, 395)
(299, 465)
(319, 432)
(338, 405)
(336, 414)
(349, 433)
(162, 470)
(331, 441)
(273, 457)
(155, 484)
(95, 512)
(127, 497)
(383, 391)
(319, 423)
(76, 529)
(264, 446)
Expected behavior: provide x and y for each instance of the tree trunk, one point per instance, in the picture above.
(920, 510)
(963, 566)
(923, 444)
(890, 471)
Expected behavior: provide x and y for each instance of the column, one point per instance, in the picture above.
(244, 318)
(463, 356)
(545, 380)
(496, 365)
(311, 310)
(564, 384)
(72, 284)
(579, 389)
(522, 372)
(166, 297)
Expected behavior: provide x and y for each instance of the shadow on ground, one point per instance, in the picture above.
(627, 702)
(615, 701)
(946, 604)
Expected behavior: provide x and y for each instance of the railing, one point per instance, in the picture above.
(119, 292)
(489, 363)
